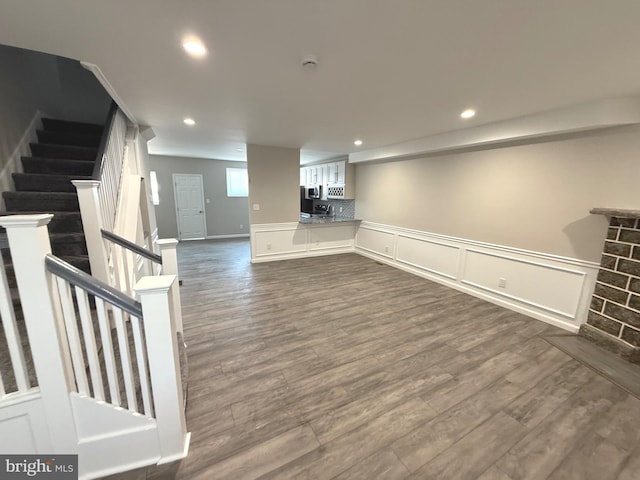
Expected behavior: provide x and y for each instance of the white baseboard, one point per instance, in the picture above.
(554, 289)
(236, 235)
(13, 163)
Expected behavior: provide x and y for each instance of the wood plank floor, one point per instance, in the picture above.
(342, 368)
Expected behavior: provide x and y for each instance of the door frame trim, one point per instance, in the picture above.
(175, 202)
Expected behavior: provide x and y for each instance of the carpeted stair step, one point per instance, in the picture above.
(68, 138)
(68, 152)
(55, 125)
(68, 244)
(39, 182)
(62, 222)
(39, 201)
(57, 166)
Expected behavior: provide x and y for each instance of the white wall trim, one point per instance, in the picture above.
(447, 238)
(283, 241)
(548, 287)
(13, 163)
(235, 235)
(95, 69)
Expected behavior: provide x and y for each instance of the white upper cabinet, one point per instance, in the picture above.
(340, 175)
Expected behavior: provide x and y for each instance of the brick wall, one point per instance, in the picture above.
(615, 305)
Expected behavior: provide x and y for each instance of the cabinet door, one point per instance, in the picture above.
(303, 177)
(325, 174)
(340, 172)
(333, 173)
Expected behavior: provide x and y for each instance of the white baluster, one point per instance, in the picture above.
(107, 348)
(29, 242)
(12, 334)
(141, 357)
(164, 365)
(125, 359)
(71, 327)
(90, 343)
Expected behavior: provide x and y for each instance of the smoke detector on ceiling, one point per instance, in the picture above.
(309, 62)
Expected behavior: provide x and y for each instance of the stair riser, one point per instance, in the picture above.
(66, 223)
(64, 138)
(26, 203)
(71, 127)
(56, 166)
(63, 151)
(68, 248)
(42, 183)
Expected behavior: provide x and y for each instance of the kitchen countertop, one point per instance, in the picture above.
(326, 219)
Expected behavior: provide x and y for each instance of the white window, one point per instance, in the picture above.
(155, 198)
(237, 182)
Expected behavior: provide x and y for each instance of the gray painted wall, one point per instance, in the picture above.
(59, 87)
(18, 104)
(224, 215)
(274, 177)
(535, 197)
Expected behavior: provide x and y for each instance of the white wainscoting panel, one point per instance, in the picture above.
(435, 257)
(23, 417)
(334, 236)
(376, 241)
(551, 288)
(280, 241)
(537, 284)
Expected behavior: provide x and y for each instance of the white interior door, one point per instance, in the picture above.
(189, 197)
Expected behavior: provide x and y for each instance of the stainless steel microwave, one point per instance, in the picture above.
(313, 191)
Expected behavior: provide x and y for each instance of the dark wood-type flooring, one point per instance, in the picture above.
(342, 368)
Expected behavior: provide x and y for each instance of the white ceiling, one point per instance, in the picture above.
(390, 71)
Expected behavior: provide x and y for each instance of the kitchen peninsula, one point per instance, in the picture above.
(324, 219)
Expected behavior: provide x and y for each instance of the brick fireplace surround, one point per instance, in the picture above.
(614, 313)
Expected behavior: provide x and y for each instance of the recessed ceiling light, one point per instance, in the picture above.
(189, 121)
(357, 143)
(468, 113)
(194, 47)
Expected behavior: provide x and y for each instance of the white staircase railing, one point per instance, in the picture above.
(108, 168)
(124, 265)
(13, 344)
(110, 388)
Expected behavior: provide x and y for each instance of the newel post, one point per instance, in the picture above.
(170, 267)
(29, 243)
(164, 365)
(92, 224)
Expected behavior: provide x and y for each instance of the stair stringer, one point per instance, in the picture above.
(112, 439)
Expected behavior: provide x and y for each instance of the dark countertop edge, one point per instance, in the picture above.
(616, 212)
(322, 221)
